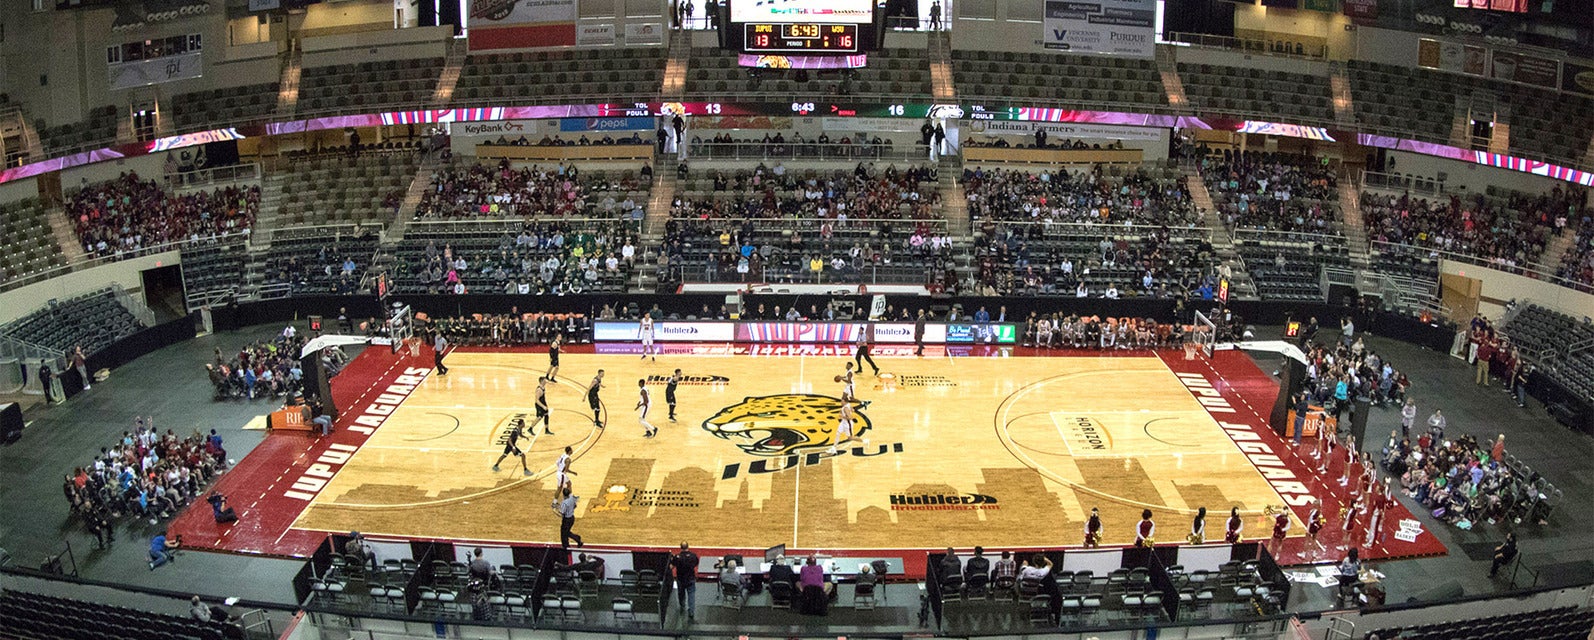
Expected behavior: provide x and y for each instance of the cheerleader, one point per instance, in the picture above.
(1281, 527)
(1314, 524)
(1093, 529)
(1351, 455)
(1348, 527)
(1375, 521)
(1231, 534)
(1198, 527)
(1146, 531)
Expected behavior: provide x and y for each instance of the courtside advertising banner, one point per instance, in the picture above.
(631, 330)
(1119, 27)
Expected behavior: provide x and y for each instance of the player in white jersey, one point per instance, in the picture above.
(844, 426)
(562, 468)
(643, 402)
(647, 339)
(846, 382)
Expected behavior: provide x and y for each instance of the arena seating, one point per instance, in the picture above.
(1545, 124)
(336, 188)
(94, 320)
(356, 87)
(226, 107)
(312, 259)
(1305, 254)
(40, 617)
(25, 233)
(1027, 259)
(1564, 623)
(604, 75)
(888, 192)
(1294, 97)
(478, 190)
(1001, 76)
(96, 130)
(901, 72)
(1577, 264)
(1511, 230)
(213, 266)
(130, 213)
(1394, 99)
(1156, 195)
(547, 257)
(709, 250)
(1547, 335)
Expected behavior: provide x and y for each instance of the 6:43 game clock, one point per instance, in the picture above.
(800, 37)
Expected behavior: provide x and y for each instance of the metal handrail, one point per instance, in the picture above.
(1240, 44)
(201, 177)
(95, 261)
(1432, 252)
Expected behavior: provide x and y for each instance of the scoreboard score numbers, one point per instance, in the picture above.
(800, 37)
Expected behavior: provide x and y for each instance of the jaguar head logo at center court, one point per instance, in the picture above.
(783, 424)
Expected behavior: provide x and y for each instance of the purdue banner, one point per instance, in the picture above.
(1123, 27)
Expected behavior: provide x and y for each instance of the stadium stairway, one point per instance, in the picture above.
(292, 69)
(412, 197)
(941, 84)
(1461, 125)
(1339, 87)
(1168, 66)
(1241, 283)
(12, 119)
(955, 202)
(449, 78)
(1355, 230)
(1550, 260)
(65, 237)
(673, 86)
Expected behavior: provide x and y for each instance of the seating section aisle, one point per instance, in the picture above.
(901, 72)
(1077, 79)
(1296, 97)
(335, 189)
(1548, 335)
(320, 259)
(29, 245)
(502, 190)
(40, 617)
(1284, 211)
(1565, 623)
(514, 257)
(94, 321)
(605, 75)
(354, 87)
(232, 106)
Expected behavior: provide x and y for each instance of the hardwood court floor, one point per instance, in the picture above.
(994, 451)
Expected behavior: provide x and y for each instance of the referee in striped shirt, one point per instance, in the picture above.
(566, 508)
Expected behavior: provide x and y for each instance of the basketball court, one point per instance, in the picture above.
(1000, 447)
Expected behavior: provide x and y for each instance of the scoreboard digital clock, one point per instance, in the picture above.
(800, 37)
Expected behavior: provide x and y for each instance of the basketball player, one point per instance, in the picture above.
(542, 408)
(1146, 531)
(844, 432)
(562, 469)
(642, 404)
(512, 446)
(846, 382)
(553, 356)
(1093, 529)
(865, 336)
(647, 338)
(1281, 526)
(592, 399)
(1043, 332)
(1231, 533)
(669, 392)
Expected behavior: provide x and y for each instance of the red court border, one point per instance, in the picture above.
(259, 485)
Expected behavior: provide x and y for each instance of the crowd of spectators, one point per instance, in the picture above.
(777, 145)
(772, 192)
(129, 213)
(1577, 264)
(1510, 234)
(753, 250)
(266, 368)
(1077, 196)
(1280, 192)
(1053, 330)
(513, 328)
(504, 190)
(147, 474)
(583, 141)
(545, 257)
(1021, 260)
(1460, 481)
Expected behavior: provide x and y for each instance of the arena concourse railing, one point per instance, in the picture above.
(118, 256)
(243, 172)
(1529, 271)
(1247, 45)
(807, 150)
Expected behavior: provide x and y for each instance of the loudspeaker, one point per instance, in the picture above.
(1358, 421)
(10, 422)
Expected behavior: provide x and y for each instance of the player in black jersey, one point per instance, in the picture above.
(669, 392)
(542, 408)
(512, 446)
(553, 357)
(592, 399)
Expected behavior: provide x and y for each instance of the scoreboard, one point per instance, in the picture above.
(800, 37)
